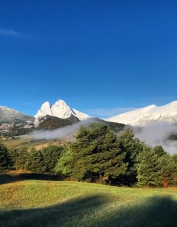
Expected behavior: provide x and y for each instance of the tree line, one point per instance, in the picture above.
(37, 161)
(98, 155)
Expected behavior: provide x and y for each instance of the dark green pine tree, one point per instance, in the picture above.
(88, 143)
(167, 169)
(19, 157)
(149, 168)
(132, 147)
(110, 158)
(35, 162)
(5, 161)
(95, 152)
(51, 154)
(65, 163)
(159, 151)
(173, 181)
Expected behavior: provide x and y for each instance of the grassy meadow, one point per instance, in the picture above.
(25, 141)
(39, 203)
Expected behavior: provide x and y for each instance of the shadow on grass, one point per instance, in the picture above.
(153, 212)
(93, 212)
(59, 215)
(7, 178)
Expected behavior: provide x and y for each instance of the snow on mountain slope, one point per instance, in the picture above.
(79, 115)
(59, 109)
(148, 114)
(8, 115)
(45, 110)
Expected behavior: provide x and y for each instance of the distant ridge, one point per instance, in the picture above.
(138, 117)
(148, 114)
(8, 115)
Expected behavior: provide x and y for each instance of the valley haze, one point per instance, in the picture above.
(157, 123)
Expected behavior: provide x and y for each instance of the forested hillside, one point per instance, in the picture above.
(97, 155)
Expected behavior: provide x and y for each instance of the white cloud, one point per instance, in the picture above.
(157, 133)
(10, 32)
(106, 113)
(65, 132)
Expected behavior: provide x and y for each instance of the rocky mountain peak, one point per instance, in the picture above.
(59, 109)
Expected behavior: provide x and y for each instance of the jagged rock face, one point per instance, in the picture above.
(60, 109)
(45, 110)
(10, 116)
(149, 114)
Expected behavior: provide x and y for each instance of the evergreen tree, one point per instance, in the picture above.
(132, 148)
(173, 181)
(110, 158)
(19, 157)
(50, 156)
(65, 163)
(149, 168)
(5, 161)
(167, 169)
(159, 151)
(35, 162)
(95, 151)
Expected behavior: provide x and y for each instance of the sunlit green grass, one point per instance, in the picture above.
(22, 141)
(58, 203)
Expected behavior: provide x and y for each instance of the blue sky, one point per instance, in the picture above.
(102, 57)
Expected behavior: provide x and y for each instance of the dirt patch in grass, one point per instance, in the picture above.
(58, 143)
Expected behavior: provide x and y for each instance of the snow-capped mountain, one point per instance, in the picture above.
(8, 115)
(60, 109)
(149, 114)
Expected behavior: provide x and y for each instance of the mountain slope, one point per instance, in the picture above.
(60, 109)
(8, 115)
(148, 114)
(51, 122)
(115, 126)
(13, 123)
